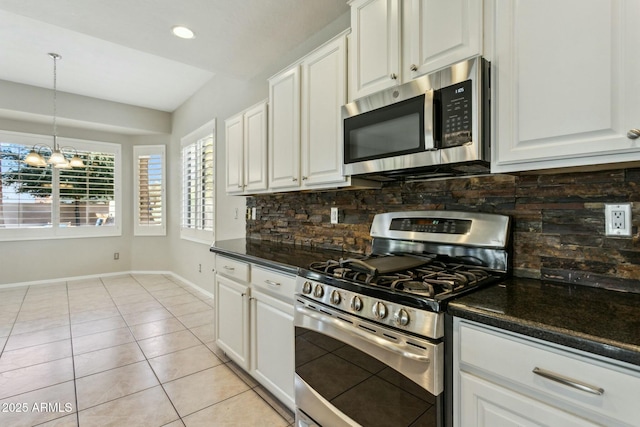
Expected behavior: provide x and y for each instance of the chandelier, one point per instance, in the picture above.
(57, 158)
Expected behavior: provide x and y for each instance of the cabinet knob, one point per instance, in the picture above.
(393, 76)
(294, 179)
(413, 67)
(633, 134)
(304, 178)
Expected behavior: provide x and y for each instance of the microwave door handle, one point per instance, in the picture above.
(437, 119)
(429, 117)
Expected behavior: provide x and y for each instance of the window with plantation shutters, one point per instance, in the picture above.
(149, 203)
(47, 202)
(198, 181)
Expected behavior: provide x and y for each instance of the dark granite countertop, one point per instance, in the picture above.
(595, 320)
(281, 256)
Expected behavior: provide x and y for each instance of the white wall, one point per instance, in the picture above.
(38, 260)
(21, 110)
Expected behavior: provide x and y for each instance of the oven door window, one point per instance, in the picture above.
(362, 387)
(393, 130)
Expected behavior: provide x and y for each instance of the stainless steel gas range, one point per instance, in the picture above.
(370, 337)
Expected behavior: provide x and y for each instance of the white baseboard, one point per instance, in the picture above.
(95, 276)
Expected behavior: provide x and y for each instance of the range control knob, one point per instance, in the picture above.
(318, 291)
(356, 303)
(335, 297)
(401, 317)
(379, 310)
(307, 288)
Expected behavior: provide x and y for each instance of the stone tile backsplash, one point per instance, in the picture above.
(558, 220)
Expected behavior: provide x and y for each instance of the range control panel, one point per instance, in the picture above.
(431, 225)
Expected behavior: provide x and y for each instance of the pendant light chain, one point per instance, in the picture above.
(55, 57)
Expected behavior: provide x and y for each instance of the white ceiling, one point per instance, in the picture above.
(123, 50)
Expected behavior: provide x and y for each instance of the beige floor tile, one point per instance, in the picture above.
(174, 291)
(5, 330)
(189, 308)
(105, 359)
(123, 290)
(217, 351)
(43, 313)
(19, 381)
(171, 301)
(93, 305)
(133, 298)
(93, 314)
(204, 332)
(195, 392)
(151, 279)
(177, 423)
(183, 362)
(84, 283)
(95, 326)
(200, 318)
(154, 329)
(59, 399)
(146, 316)
(277, 406)
(168, 343)
(40, 324)
(93, 342)
(145, 408)
(36, 338)
(34, 355)
(68, 421)
(138, 307)
(233, 412)
(159, 286)
(109, 385)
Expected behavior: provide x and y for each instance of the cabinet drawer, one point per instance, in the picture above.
(273, 282)
(553, 374)
(233, 268)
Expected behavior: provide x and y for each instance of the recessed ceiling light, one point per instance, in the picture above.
(183, 32)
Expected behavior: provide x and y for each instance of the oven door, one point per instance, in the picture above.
(353, 372)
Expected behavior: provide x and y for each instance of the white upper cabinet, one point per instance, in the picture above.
(324, 91)
(305, 123)
(246, 145)
(374, 60)
(234, 138)
(284, 130)
(395, 41)
(566, 83)
(255, 148)
(440, 33)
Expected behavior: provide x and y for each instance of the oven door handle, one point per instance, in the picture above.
(368, 336)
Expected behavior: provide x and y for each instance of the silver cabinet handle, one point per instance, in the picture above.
(633, 134)
(413, 67)
(226, 267)
(393, 76)
(568, 381)
(271, 283)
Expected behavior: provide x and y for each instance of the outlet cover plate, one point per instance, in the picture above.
(335, 218)
(617, 218)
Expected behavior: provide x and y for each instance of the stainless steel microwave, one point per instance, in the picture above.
(437, 124)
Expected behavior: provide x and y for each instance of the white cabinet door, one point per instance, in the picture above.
(234, 137)
(486, 404)
(566, 83)
(232, 319)
(272, 334)
(284, 129)
(255, 148)
(324, 91)
(440, 33)
(374, 59)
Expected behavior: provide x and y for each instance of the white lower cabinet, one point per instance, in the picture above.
(272, 340)
(232, 319)
(502, 379)
(254, 323)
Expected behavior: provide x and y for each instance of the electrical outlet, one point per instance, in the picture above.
(254, 213)
(335, 215)
(116, 256)
(617, 218)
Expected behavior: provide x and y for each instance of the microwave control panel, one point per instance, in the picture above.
(456, 113)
